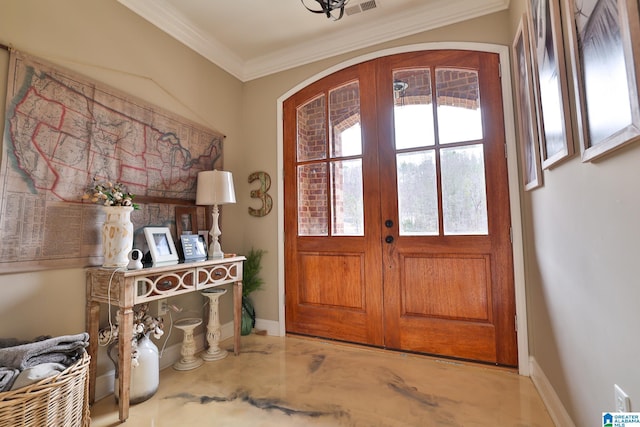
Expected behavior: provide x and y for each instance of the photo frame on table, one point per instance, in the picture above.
(204, 237)
(550, 81)
(526, 108)
(186, 220)
(193, 247)
(161, 246)
(603, 43)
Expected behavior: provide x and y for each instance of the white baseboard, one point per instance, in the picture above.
(271, 326)
(171, 354)
(104, 384)
(556, 409)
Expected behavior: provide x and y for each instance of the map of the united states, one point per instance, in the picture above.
(61, 131)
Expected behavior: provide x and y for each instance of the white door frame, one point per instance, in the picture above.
(512, 170)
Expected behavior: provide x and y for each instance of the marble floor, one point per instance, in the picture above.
(305, 382)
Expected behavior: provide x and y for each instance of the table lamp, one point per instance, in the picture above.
(215, 188)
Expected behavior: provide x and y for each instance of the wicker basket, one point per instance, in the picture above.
(60, 400)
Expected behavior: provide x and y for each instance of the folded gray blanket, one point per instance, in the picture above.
(37, 373)
(7, 377)
(66, 349)
(12, 342)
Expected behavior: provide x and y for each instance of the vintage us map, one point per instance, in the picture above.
(61, 130)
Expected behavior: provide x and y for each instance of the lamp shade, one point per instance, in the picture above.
(215, 188)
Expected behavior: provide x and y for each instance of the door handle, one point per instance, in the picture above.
(388, 239)
(388, 223)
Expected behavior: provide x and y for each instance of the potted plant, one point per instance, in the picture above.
(250, 282)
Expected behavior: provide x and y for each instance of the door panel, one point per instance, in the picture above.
(449, 288)
(397, 208)
(333, 275)
(344, 269)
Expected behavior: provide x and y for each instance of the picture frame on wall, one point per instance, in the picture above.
(603, 44)
(526, 108)
(550, 81)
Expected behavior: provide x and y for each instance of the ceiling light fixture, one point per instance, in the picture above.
(328, 6)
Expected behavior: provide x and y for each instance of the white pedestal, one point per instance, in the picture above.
(189, 360)
(214, 352)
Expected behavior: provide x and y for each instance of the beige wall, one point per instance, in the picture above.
(581, 242)
(106, 42)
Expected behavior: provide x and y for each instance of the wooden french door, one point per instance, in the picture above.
(397, 223)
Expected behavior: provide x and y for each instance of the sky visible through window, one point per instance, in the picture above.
(414, 128)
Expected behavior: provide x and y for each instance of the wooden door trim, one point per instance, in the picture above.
(278, 327)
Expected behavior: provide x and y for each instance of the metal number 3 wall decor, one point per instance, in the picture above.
(261, 193)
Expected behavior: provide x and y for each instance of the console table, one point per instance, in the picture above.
(125, 288)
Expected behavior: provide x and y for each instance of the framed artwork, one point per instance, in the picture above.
(550, 81)
(186, 220)
(161, 245)
(603, 43)
(526, 108)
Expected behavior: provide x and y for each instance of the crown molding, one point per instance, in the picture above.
(171, 21)
(431, 16)
(439, 15)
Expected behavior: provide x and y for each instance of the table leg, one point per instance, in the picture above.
(92, 320)
(237, 314)
(124, 360)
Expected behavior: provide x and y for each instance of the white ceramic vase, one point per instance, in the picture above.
(145, 376)
(117, 236)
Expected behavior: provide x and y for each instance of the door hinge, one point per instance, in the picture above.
(511, 234)
(505, 151)
(516, 319)
(499, 70)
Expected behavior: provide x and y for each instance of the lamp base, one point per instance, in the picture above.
(215, 251)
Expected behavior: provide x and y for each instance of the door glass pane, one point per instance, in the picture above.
(346, 198)
(312, 200)
(459, 113)
(312, 135)
(412, 108)
(417, 193)
(464, 196)
(344, 117)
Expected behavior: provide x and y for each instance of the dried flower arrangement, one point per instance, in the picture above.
(108, 193)
(143, 324)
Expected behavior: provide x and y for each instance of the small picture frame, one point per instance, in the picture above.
(204, 237)
(161, 246)
(186, 220)
(193, 247)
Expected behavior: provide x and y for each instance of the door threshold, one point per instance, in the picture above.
(434, 357)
